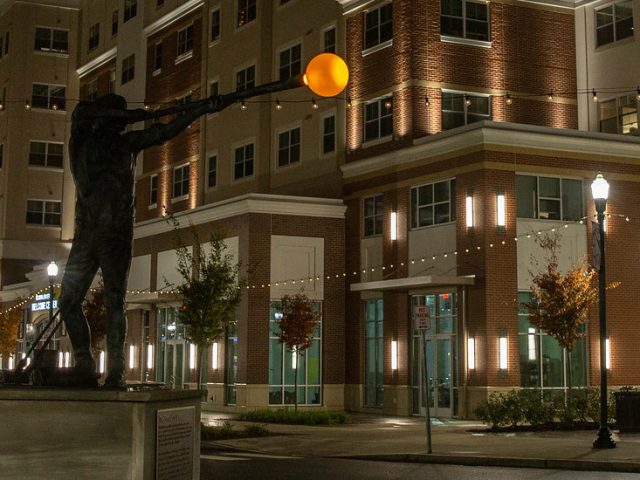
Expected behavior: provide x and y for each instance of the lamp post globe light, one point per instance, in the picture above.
(600, 192)
(52, 273)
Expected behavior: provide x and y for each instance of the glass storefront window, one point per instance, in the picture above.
(373, 353)
(543, 363)
(282, 374)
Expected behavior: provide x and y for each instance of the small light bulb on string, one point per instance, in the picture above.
(278, 105)
(146, 106)
(1, 106)
(426, 101)
(27, 105)
(54, 106)
(467, 100)
(594, 95)
(349, 102)
(638, 93)
(508, 99)
(243, 106)
(550, 96)
(387, 104)
(314, 104)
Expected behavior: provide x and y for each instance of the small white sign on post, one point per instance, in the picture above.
(422, 317)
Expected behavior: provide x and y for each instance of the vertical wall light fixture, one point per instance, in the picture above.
(394, 355)
(214, 355)
(500, 208)
(608, 353)
(132, 356)
(192, 356)
(502, 353)
(150, 356)
(101, 362)
(471, 353)
(469, 211)
(394, 226)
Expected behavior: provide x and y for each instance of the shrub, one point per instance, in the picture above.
(320, 417)
(226, 432)
(536, 408)
(493, 411)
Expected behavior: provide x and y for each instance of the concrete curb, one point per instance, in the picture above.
(511, 462)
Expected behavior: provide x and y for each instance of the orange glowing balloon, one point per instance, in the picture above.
(326, 75)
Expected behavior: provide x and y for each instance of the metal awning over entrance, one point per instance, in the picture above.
(414, 283)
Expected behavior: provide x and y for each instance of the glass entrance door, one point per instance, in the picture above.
(174, 364)
(440, 384)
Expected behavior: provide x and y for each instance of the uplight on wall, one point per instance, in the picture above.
(502, 353)
(192, 356)
(394, 226)
(608, 353)
(67, 359)
(214, 355)
(132, 356)
(471, 353)
(101, 362)
(500, 207)
(11, 362)
(394, 355)
(60, 359)
(150, 356)
(469, 211)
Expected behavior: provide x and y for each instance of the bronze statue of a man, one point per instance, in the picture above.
(103, 157)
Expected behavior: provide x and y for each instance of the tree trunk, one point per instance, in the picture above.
(569, 392)
(199, 358)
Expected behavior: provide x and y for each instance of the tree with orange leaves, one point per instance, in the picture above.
(9, 323)
(560, 302)
(296, 326)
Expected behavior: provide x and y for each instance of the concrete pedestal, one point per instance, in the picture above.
(57, 433)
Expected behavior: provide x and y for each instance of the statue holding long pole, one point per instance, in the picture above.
(103, 157)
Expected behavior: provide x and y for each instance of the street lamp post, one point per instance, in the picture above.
(600, 191)
(52, 272)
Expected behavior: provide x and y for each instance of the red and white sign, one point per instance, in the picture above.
(422, 317)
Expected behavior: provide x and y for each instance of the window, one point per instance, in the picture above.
(290, 62)
(433, 203)
(329, 40)
(246, 12)
(378, 118)
(231, 365)
(44, 212)
(289, 147)
(373, 353)
(181, 181)
(157, 57)
(215, 24)
(462, 109)
(128, 69)
(378, 27)
(548, 198)
(91, 92)
(328, 134)
(543, 362)
(114, 23)
(372, 215)
(185, 40)
(49, 40)
(130, 9)
(614, 22)
(212, 171)
(182, 101)
(246, 78)
(153, 190)
(285, 366)
(46, 154)
(214, 88)
(48, 96)
(619, 115)
(464, 19)
(94, 36)
(243, 163)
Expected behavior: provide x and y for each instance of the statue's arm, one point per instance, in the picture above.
(88, 111)
(159, 133)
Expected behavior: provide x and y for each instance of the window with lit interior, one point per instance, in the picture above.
(619, 115)
(460, 109)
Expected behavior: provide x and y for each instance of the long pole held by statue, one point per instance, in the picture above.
(422, 321)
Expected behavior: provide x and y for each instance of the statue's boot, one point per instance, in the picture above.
(115, 372)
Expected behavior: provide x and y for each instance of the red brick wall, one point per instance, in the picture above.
(532, 54)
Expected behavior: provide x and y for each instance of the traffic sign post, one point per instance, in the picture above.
(422, 322)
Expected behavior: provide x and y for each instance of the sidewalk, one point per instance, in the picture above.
(404, 439)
